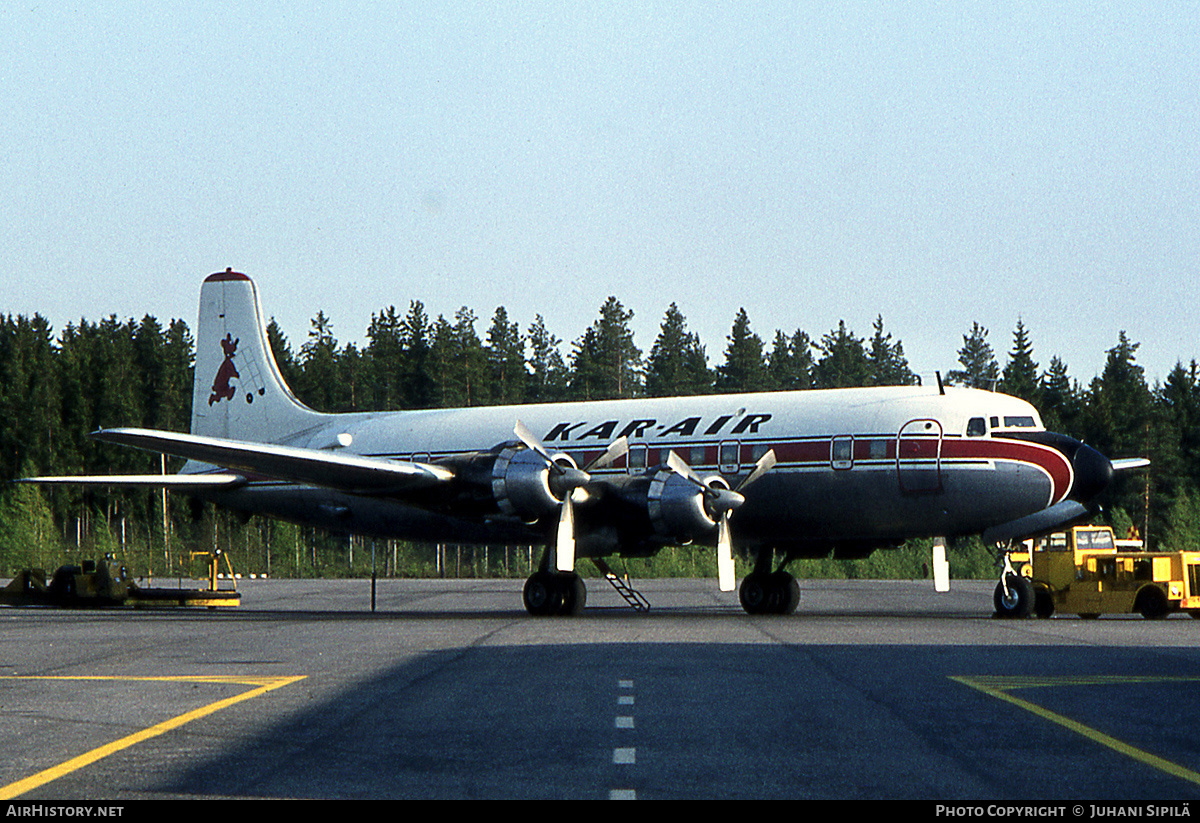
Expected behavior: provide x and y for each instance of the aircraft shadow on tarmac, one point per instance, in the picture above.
(721, 721)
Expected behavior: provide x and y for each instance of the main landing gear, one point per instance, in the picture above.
(554, 593)
(769, 593)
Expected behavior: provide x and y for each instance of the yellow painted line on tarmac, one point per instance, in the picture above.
(999, 687)
(261, 685)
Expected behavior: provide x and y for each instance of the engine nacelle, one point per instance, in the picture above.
(522, 485)
(677, 506)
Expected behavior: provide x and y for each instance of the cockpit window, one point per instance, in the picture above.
(1019, 422)
(976, 427)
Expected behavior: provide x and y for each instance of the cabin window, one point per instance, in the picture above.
(842, 452)
(637, 459)
(976, 427)
(696, 456)
(729, 457)
(877, 449)
(995, 422)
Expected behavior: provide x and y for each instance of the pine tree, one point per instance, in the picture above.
(886, 363)
(1060, 399)
(179, 357)
(317, 383)
(1021, 372)
(1117, 422)
(790, 363)
(744, 369)
(677, 364)
(285, 358)
(506, 359)
(980, 370)
(385, 355)
(547, 380)
(606, 364)
(416, 341)
(843, 362)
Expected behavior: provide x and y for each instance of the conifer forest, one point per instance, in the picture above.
(57, 387)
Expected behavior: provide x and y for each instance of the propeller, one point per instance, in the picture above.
(722, 502)
(564, 480)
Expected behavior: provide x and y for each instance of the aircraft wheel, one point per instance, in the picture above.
(775, 593)
(787, 592)
(1017, 602)
(542, 594)
(574, 594)
(754, 593)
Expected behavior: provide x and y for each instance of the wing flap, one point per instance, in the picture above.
(345, 472)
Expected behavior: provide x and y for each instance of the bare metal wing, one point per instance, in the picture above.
(346, 472)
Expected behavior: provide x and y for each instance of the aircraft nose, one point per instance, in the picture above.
(1093, 473)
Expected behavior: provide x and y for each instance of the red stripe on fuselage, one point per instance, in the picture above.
(816, 453)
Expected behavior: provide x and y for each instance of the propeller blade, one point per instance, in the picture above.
(725, 573)
(615, 450)
(526, 436)
(764, 465)
(676, 464)
(564, 538)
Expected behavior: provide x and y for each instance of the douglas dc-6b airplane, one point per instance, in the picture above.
(801, 474)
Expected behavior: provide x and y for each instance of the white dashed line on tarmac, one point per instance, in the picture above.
(624, 755)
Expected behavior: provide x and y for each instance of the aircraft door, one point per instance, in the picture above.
(919, 457)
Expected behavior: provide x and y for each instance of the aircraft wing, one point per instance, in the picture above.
(345, 472)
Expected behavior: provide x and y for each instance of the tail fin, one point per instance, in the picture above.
(238, 392)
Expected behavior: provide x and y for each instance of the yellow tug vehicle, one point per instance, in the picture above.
(94, 584)
(1086, 571)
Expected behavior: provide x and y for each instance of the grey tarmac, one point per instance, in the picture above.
(448, 689)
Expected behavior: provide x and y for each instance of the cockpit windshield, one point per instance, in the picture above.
(1024, 421)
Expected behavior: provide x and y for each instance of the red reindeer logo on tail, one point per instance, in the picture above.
(220, 387)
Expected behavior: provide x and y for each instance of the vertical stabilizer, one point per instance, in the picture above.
(238, 392)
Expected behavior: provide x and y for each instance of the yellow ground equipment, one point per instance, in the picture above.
(95, 584)
(1085, 571)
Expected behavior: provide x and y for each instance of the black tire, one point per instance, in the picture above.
(787, 592)
(542, 595)
(754, 593)
(1017, 602)
(574, 594)
(1043, 602)
(1151, 603)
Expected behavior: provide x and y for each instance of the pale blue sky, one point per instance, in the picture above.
(936, 163)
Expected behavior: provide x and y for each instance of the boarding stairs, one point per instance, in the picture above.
(632, 596)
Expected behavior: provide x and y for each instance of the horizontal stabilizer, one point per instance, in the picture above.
(175, 482)
(1058, 515)
(1123, 464)
(345, 472)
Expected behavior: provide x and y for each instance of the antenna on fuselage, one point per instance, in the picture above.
(941, 388)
